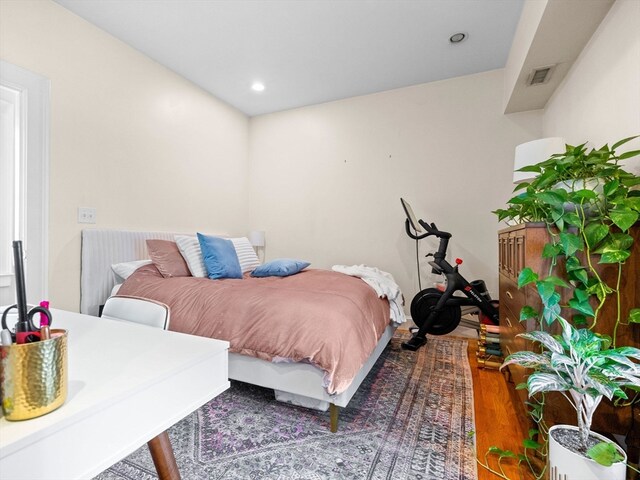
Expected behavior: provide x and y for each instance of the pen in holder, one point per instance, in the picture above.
(33, 377)
(33, 371)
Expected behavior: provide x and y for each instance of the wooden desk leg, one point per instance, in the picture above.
(163, 458)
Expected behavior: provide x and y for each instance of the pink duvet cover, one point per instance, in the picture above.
(329, 319)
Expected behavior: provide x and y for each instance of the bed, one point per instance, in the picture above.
(300, 382)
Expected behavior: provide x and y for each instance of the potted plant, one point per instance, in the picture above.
(582, 366)
(594, 231)
(578, 177)
(588, 203)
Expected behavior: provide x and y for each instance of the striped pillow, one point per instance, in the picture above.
(246, 254)
(190, 250)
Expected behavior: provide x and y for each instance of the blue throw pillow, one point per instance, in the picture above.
(282, 267)
(220, 258)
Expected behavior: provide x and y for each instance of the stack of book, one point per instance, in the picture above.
(489, 352)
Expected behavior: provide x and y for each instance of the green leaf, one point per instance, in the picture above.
(533, 432)
(520, 186)
(557, 281)
(571, 243)
(573, 263)
(582, 307)
(519, 199)
(615, 257)
(551, 198)
(624, 218)
(634, 315)
(610, 187)
(595, 233)
(615, 242)
(528, 312)
(600, 289)
(543, 338)
(630, 154)
(508, 454)
(530, 168)
(579, 275)
(527, 276)
(546, 382)
(581, 295)
(546, 291)
(622, 142)
(532, 444)
(631, 182)
(583, 194)
(551, 250)
(605, 453)
(620, 241)
(628, 351)
(579, 320)
(569, 333)
(572, 219)
(495, 451)
(633, 203)
(552, 311)
(526, 359)
(549, 177)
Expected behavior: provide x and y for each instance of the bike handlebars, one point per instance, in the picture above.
(431, 230)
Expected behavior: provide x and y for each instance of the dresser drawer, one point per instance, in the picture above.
(510, 296)
(511, 343)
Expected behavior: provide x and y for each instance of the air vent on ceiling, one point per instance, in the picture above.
(540, 75)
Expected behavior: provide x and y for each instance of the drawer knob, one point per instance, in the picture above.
(509, 294)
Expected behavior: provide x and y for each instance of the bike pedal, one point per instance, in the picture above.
(414, 343)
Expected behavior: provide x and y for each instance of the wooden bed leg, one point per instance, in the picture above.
(333, 414)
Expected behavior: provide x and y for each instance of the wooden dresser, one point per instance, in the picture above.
(521, 246)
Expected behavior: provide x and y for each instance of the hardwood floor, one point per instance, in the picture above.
(497, 422)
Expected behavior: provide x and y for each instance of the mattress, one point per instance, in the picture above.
(328, 319)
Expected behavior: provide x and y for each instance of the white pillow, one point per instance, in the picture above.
(190, 250)
(125, 269)
(246, 254)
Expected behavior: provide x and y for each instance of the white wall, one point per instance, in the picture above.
(326, 180)
(144, 146)
(599, 100)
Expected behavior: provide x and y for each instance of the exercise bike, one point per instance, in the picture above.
(436, 311)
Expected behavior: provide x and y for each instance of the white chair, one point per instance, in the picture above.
(138, 310)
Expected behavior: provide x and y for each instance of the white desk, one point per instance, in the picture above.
(127, 385)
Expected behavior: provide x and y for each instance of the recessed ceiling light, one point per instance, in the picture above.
(457, 37)
(257, 87)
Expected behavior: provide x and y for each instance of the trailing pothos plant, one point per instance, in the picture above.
(589, 203)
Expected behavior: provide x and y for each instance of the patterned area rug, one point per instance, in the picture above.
(410, 419)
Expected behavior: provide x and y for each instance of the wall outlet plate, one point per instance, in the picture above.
(87, 215)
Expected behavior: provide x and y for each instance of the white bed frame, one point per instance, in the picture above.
(297, 383)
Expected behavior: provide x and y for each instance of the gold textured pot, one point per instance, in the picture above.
(33, 377)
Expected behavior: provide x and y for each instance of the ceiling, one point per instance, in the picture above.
(309, 51)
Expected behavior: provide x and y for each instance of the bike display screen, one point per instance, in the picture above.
(410, 215)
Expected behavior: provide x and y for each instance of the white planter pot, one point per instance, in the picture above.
(566, 465)
(589, 184)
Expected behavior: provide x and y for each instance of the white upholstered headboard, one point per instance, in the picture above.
(100, 250)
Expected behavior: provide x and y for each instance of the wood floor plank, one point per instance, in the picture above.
(497, 421)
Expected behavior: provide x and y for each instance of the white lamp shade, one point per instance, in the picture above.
(534, 152)
(256, 238)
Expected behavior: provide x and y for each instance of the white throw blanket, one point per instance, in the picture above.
(384, 285)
